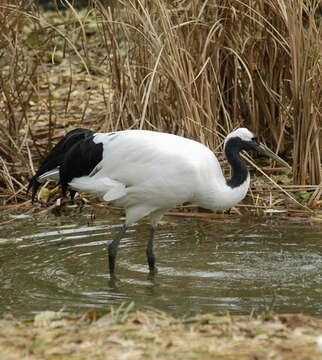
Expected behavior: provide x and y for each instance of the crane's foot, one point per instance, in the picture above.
(150, 255)
(153, 270)
(112, 281)
(152, 273)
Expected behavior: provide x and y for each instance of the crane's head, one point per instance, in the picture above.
(243, 139)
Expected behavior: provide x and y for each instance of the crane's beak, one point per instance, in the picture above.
(268, 152)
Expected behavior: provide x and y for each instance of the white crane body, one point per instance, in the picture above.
(148, 172)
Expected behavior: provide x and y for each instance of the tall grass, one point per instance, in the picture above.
(194, 68)
(203, 68)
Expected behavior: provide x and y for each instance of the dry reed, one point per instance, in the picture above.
(198, 69)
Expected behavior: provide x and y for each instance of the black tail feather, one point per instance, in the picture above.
(56, 157)
(79, 161)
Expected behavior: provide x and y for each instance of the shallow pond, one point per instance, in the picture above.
(235, 264)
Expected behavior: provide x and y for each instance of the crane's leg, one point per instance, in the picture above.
(112, 250)
(149, 252)
(155, 217)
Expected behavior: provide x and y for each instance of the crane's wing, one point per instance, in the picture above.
(151, 164)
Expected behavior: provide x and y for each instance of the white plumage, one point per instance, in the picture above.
(149, 172)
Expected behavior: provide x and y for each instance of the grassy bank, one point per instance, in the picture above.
(155, 335)
(198, 69)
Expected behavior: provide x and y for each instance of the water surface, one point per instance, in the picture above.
(236, 265)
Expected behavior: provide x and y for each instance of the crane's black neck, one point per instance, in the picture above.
(239, 168)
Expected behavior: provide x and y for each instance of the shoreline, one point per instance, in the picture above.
(125, 333)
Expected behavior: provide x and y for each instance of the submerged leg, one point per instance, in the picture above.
(155, 217)
(112, 250)
(149, 252)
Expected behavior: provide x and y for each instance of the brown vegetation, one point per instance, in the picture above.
(198, 69)
(155, 335)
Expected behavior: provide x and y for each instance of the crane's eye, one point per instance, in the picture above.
(255, 139)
